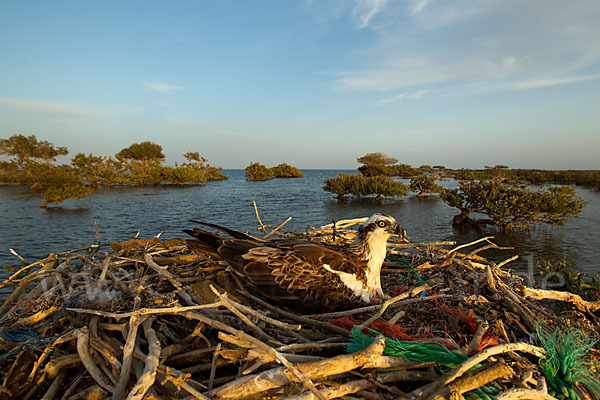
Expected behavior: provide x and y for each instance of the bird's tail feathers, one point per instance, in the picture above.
(203, 241)
(230, 232)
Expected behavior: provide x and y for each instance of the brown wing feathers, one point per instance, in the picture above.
(336, 260)
(289, 272)
(204, 242)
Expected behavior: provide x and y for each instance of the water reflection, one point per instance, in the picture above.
(62, 210)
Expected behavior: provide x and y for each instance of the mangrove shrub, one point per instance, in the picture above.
(512, 206)
(28, 149)
(142, 163)
(54, 183)
(376, 164)
(139, 164)
(258, 172)
(423, 184)
(30, 165)
(195, 161)
(98, 170)
(182, 174)
(359, 185)
(286, 171)
(144, 151)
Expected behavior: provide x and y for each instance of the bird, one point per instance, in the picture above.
(306, 275)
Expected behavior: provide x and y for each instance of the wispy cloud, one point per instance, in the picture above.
(540, 83)
(392, 99)
(458, 46)
(365, 10)
(416, 6)
(419, 94)
(429, 69)
(45, 106)
(161, 86)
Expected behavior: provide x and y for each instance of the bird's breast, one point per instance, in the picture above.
(357, 286)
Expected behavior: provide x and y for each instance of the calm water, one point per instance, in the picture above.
(120, 213)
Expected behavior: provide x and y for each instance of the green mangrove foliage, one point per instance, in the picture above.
(57, 183)
(182, 174)
(195, 161)
(511, 206)
(258, 172)
(502, 196)
(359, 186)
(99, 170)
(26, 150)
(144, 151)
(380, 164)
(590, 178)
(424, 184)
(142, 164)
(9, 172)
(375, 178)
(562, 276)
(31, 164)
(374, 164)
(286, 171)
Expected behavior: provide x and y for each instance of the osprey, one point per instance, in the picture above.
(306, 275)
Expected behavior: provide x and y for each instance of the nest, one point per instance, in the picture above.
(150, 319)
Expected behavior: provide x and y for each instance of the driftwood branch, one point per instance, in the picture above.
(162, 271)
(268, 235)
(274, 378)
(524, 394)
(145, 311)
(574, 299)
(89, 363)
(478, 358)
(296, 317)
(479, 378)
(151, 363)
(361, 384)
(134, 323)
(391, 301)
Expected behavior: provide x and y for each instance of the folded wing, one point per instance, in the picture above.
(297, 273)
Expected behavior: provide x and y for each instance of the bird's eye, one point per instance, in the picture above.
(381, 223)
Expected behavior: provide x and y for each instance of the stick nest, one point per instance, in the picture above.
(150, 319)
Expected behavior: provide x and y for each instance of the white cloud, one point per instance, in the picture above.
(161, 87)
(45, 106)
(419, 94)
(423, 15)
(416, 6)
(454, 47)
(365, 10)
(540, 83)
(392, 99)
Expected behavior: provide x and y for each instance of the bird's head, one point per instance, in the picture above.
(372, 243)
(381, 226)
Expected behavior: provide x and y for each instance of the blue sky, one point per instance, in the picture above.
(312, 83)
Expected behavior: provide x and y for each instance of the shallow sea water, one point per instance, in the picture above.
(122, 212)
